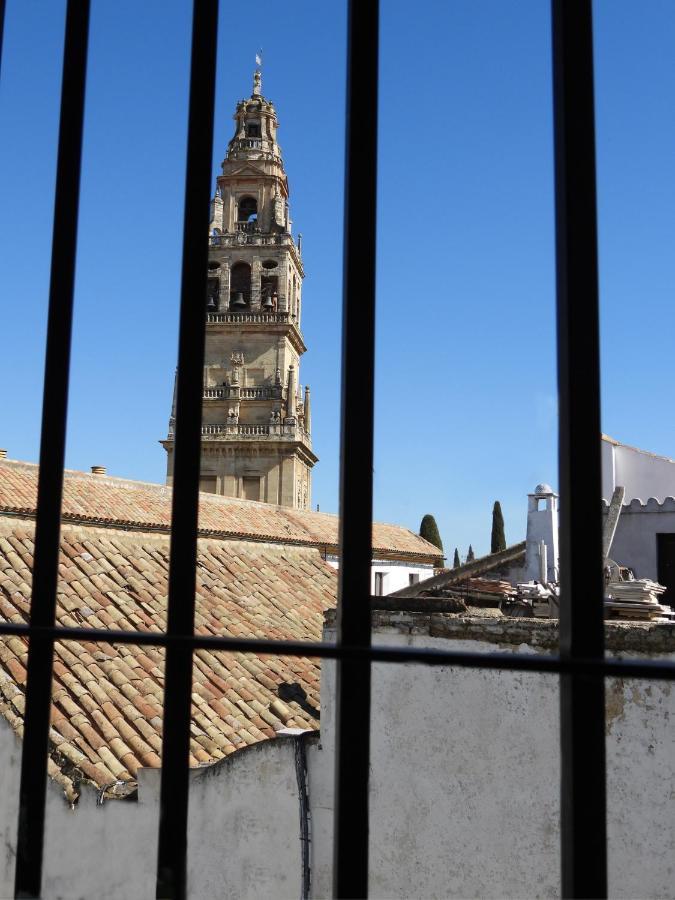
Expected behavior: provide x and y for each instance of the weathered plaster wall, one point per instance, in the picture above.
(244, 826)
(465, 769)
(464, 787)
(242, 843)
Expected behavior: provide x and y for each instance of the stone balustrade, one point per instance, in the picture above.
(247, 430)
(256, 393)
(247, 318)
(238, 430)
(241, 393)
(252, 237)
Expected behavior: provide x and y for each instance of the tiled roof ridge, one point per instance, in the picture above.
(307, 522)
(204, 533)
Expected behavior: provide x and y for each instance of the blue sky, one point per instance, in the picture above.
(466, 395)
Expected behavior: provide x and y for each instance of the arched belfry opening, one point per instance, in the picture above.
(240, 287)
(247, 212)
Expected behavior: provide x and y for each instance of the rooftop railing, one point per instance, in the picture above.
(247, 317)
(279, 429)
(243, 237)
(245, 393)
(245, 430)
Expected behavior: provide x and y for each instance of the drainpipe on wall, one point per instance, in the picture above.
(303, 797)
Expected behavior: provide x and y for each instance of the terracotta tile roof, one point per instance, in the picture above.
(106, 703)
(117, 501)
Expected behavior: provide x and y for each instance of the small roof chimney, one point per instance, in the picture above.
(3, 454)
(98, 470)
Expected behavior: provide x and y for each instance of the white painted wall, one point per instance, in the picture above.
(643, 474)
(396, 572)
(465, 780)
(242, 843)
(635, 542)
(464, 797)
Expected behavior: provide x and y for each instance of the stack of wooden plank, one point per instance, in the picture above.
(484, 591)
(637, 599)
(489, 586)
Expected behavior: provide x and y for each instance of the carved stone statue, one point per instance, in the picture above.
(237, 360)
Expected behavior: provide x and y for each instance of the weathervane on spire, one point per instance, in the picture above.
(257, 75)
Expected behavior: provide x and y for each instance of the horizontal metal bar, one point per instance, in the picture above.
(516, 662)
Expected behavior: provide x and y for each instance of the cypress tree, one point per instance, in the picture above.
(498, 539)
(429, 531)
(470, 556)
(456, 561)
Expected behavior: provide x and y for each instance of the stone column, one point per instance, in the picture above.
(256, 269)
(224, 287)
(290, 397)
(308, 412)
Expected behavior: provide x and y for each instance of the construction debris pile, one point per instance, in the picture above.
(542, 599)
(485, 591)
(637, 599)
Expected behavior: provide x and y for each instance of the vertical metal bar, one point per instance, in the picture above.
(2, 28)
(350, 876)
(582, 698)
(33, 784)
(172, 852)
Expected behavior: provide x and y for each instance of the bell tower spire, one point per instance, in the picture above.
(254, 443)
(257, 75)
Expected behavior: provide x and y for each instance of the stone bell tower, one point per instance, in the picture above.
(256, 423)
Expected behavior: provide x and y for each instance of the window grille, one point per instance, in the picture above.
(580, 664)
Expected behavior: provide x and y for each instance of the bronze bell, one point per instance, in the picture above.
(267, 304)
(211, 305)
(239, 299)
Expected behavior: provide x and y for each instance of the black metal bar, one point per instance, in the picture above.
(352, 757)
(33, 784)
(582, 697)
(2, 28)
(517, 662)
(173, 817)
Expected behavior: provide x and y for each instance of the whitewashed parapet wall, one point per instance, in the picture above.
(464, 786)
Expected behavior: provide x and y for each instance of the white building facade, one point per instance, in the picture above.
(645, 535)
(640, 473)
(389, 575)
